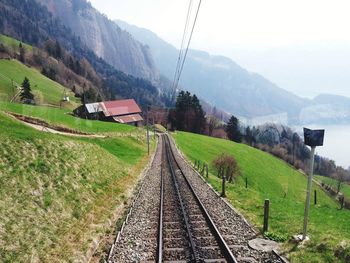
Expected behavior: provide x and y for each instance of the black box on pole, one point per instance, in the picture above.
(313, 138)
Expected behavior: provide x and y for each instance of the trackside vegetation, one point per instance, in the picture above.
(345, 187)
(59, 194)
(271, 178)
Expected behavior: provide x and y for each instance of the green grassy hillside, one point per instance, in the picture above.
(57, 192)
(13, 43)
(45, 90)
(64, 118)
(271, 178)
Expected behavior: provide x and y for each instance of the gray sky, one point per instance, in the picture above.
(251, 31)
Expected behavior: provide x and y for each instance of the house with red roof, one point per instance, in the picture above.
(121, 111)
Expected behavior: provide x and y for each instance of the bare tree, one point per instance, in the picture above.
(213, 123)
(227, 169)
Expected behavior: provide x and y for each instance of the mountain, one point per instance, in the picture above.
(32, 23)
(327, 109)
(104, 37)
(220, 81)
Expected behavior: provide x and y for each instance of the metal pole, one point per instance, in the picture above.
(308, 192)
(147, 130)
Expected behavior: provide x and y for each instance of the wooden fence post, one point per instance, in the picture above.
(223, 192)
(266, 215)
(315, 201)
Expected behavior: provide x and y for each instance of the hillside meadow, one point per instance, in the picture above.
(46, 91)
(273, 179)
(61, 195)
(64, 118)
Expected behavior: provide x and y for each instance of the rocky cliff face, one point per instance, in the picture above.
(104, 37)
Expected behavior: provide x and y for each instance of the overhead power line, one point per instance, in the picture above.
(177, 70)
(182, 58)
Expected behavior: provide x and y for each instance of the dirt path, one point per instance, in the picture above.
(45, 127)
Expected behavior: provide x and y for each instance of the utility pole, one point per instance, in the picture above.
(308, 192)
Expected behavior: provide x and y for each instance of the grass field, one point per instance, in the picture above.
(45, 90)
(58, 193)
(271, 178)
(13, 43)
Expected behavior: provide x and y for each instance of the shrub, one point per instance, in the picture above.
(276, 237)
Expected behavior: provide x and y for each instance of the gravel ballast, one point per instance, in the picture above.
(137, 240)
(236, 230)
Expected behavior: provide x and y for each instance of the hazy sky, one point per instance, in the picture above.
(249, 31)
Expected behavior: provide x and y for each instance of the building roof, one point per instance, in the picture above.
(94, 107)
(120, 107)
(114, 108)
(128, 118)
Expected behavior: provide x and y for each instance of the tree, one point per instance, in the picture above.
(188, 114)
(340, 176)
(58, 50)
(22, 53)
(89, 96)
(199, 115)
(249, 138)
(232, 129)
(2, 48)
(227, 169)
(295, 143)
(213, 123)
(26, 93)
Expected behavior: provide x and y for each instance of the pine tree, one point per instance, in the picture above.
(249, 136)
(26, 94)
(232, 129)
(188, 115)
(199, 121)
(58, 50)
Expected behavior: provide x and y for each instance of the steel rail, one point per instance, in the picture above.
(194, 253)
(160, 228)
(223, 245)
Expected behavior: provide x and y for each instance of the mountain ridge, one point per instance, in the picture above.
(104, 37)
(219, 80)
(222, 82)
(32, 23)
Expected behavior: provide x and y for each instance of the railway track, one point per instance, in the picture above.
(178, 218)
(186, 231)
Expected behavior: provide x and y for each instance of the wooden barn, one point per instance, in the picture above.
(121, 111)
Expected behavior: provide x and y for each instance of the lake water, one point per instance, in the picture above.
(336, 143)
